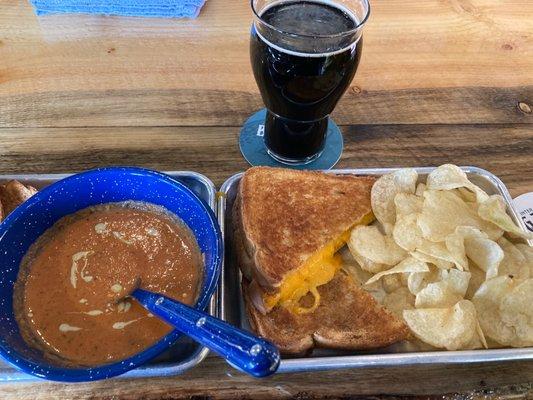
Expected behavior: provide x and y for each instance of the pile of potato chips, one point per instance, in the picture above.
(448, 259)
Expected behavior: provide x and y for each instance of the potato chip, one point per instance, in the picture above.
(368, 265)
(441, 214)
(481, 336)
(444, 211)
(406, 233)
(487, 302)
(417, 281)
(448, 289)
(486, 253)
(477, 277)
(363, 262)
(514, 263)
(505, 312)
(527, 252)
(407, 204)
(457, 280)
(398, 301)
(466, 195)
(493, 210)
(456, 246)
(370, 243)
(441, 264)
(420, 189)
(385, 189)
(438, 242)
(451, 328)
(410, 264)
(478, 341)
(391, 282)
(516, 312)
(449, 176)
(435, 250)
(437, 295)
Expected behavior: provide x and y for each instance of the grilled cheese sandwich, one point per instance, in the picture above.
(291, 224)
(318, 270)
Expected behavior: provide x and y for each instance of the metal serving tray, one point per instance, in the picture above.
(185, 354)
(402, 354)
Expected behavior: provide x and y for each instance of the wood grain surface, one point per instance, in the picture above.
(213, 379)
(440, 81)
(432, 61)
(505, 150)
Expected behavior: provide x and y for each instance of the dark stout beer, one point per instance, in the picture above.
(304, 55)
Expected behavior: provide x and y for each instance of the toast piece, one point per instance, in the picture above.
(13, 194)
(288, 225)
(347, 318)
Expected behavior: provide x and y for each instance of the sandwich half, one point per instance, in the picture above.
(347, 318)
(289, 225)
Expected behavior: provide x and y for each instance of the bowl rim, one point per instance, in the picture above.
(65, 374)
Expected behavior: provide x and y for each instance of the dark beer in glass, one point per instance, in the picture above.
(304, 55)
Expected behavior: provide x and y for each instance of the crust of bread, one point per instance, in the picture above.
(13, 194)
(347, 318)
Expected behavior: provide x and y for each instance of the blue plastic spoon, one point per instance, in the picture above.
(241, 349)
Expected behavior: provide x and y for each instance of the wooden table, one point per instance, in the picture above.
(440, 81)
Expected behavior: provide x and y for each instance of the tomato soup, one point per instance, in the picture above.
(72, 294)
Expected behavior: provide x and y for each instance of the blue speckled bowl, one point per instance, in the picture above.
(24, 225)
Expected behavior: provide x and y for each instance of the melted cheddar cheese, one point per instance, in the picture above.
(318, 270)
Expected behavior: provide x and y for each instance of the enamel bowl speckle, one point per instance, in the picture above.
(24, 225)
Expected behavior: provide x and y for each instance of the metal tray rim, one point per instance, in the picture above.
(405, 359)
(57, 176)
(146, 371)
(387, 360)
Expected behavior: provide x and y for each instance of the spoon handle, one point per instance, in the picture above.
(241, 349)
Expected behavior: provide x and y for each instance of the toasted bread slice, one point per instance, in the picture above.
(347, 318)
(13, 194)
(289, 223)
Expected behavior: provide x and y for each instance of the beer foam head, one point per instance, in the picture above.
(308, 28)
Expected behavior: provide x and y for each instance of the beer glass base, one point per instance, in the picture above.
(289, 161)
(252, 146)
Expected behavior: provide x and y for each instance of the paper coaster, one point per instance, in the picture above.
(252, 145)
